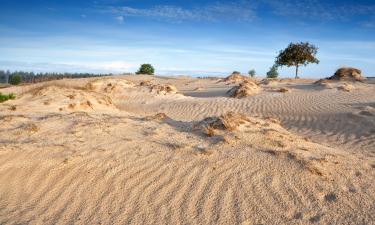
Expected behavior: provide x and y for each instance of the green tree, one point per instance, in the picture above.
(252, 73)
(15, 79)
(273, 72)
(146, 69)
(297, 54)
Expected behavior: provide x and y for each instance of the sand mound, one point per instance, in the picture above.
(236, 78)
(245, 89)
(269, 82)
(57, 98)
(110, 86)
(228, 121)
(324, 83)
(347, 74)
(163, 89)
(145, 83)
(346, 87)
(283, 90)
(122, 167)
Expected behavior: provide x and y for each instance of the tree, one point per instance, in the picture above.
(146, 69)
(15, 79)
(252, 73)
(297, 54)
(273, 72)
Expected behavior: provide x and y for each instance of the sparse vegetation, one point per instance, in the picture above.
(236, 73)
(283, 90)
(245, 89)
(6, 97)
(273, 73)
(147, 69)
(297, 54)
(252, 73)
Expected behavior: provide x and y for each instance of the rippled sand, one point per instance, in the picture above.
(96, 151)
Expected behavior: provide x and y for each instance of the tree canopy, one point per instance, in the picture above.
(252, 73)
(146, 69)
(15, 79)
(297, 54)
(272, 73)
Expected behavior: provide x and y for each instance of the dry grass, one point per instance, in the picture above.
(348, 73)
(229, 121)
(235, 77)
(163, 89)
(158, 116)
(145, 83)
(245, 89)
(283, 90)
(346, 87)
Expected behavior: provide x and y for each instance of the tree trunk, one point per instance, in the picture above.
(297, 77)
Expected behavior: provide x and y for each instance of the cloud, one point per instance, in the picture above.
(249, 10)
(92, 67)
(120, 19)
(240, 11)
(319, 10)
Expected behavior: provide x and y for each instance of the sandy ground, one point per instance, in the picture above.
(112, 151)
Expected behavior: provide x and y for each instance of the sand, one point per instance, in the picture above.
(112, 151)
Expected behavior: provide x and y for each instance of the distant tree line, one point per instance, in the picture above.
(31, 77)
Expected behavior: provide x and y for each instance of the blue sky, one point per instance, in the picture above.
(183, 37)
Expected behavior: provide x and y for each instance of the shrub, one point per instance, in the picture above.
(146, 69)
(273, 72)
(252, 73)
(15, 79)
(4, 97)
(236, 73)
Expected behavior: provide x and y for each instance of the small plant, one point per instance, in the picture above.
(146, 69)
(5, 97)
(252, 73)
(273, 72)
(15, 79)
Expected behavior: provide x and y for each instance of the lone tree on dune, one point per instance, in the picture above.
(252, 73)
(146, 69)
(273, 72)
(296, 55)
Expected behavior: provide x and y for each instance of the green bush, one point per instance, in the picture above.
(15, 79)
(236, 73)
(4, 97)
(273, 72)
(252, 73)
(146, 69)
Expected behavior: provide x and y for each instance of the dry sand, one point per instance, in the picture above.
(112, 151)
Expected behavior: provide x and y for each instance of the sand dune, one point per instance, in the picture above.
(135, 156)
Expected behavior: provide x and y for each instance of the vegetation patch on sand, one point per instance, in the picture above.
(347, 74)
(6, 97)
(236, 78)
(245, 89)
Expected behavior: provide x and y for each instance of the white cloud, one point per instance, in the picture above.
(319, 10)
(241, 11)
(92, 67)
(120, 19)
